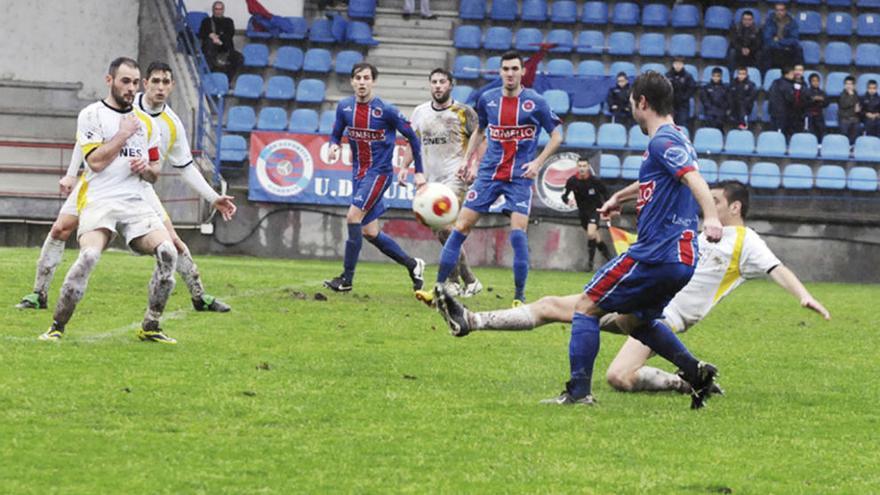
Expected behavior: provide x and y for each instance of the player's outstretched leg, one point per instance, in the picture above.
(462, 321)
(343, 283)
(520, 243)
(50, 258)
(72, 291)
(188, 270)
(415, 266)
(161, 285)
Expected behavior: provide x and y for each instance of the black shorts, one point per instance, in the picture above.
(589, 217)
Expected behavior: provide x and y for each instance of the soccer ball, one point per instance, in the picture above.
(435, 205)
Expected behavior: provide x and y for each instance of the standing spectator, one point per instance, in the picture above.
(799, 103)
(409, 6)
(683, 89)
(870, 105)
(781, 45)
(815, 103)
(848, 110)
(216, 34)
(714, 98)
(742, 95)
(745, 43)
(781, 99)
(589, 195)
(618, 101)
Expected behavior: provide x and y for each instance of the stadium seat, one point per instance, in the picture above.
(655, 15)
(563, 12)
(611, 136)
(708, 169)
(754, 75)
(310, 91)
(803, 145)
(770, 143)
(811, 52)
(707, 74)
(609, 167)
(215, 84)
(871, 4)
(656, 67)
(360, 33)
(625, 14)
(580, 135)
(300, 29)
(591, 68)
(809, 2)
(838, 24)
(630, 168)
(468, 37)
(831, 177)
(834, 83)
(862, 81)
(733, 170)
(249, 86)
(797, 176)
(686, 16)
(345, 61)
(692, 70)
(867, 55)
(862, 179)
(831, 115)
(739, 142)
(638, 140)
(461, 92)
(591, 110)
(503, 10)
(362, 9)
(317, 60)
(544, 138)
(534, 10)
(472, 10)
(466, 67)
(809, 22)
(241, 119)
(321, 31)
(718, 17)
(621, 43)
(492, 69)
(194, 20)
(497, 38)
(590, 42)
(835, 147)
(708, 140)
(765, 175)
(868, 25)
(714, 47)
(233, 148)
(839, 3)
(328, 119)
(558, 101)
(867, 149)
(272, 119)
(255, 55)
(838, 53)
(253, 33)
(528, 39)
(652, 45)
(595, 13)
(627, 68)
(770, 76)
(289, 58)
(303, 120)
(683, 45)
(280, 88)
(560, 67)
(562, 38)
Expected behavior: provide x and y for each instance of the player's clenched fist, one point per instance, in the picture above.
(129, 124)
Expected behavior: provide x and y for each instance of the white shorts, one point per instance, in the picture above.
(454, 182)
(129, 218)
(674, 319)
(69, 206)
(150, 196)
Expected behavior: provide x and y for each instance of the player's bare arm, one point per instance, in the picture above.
(148, 170)
(711, 224)
(611, 207)
(535, 165)
(104, 154)
(786, 278)
(406, 161)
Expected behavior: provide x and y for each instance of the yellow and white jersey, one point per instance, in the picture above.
(97, 124)
(444, 135)
(174, 148)
(723, 266)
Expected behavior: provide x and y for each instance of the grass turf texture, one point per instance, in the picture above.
(367, 392)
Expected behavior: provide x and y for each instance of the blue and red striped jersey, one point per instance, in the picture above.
(512, 124)
(666, 209)
(372, 129)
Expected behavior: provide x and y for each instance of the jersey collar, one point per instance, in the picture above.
(116, 109)
(140, 102)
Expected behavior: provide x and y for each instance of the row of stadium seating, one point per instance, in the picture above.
(320, 30)
(293, 59)
(243, 118)
(278, 87)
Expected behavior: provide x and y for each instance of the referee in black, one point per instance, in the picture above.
(589, 194)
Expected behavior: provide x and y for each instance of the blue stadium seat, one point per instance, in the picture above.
(714, 47)
(544, 137)
(303, 120)
(345, 61)
(560, 67)
(621, 43)
(862, 81)
(755, 12)
(831, 177)
(472, 10)
(611, 136)
(232, 148)
(839, 3)
(627, 68)
(733, 170)
(811, 52)
(562, 38)
(468, 37)
(835, 147)
(534, 10)
(630, 168)
(595, 13)
(466, 67)
(692, 70)
(838, 24)
(739, 142)
(770, 143)
(580, 135)
(765, 175)
(503, 10)
(461, 92)
(652, 45)
(280, 88)
(497, 38)
(592, 42)
(625, 14)
(838, 53)
(360, 33)
(803, 145)
(655, 15)
(809, 2)
(809, 22)
(831, 116)
(834, 83)
(862, 179)
(194, 20)
(300, 29)
(310, 91)
(683, 45)
(868, 25)
(248, 86)
(685, 16)
(591, 110)
(241, 119)
(289, 58)
(707, 74)
(609, 167)
(272, 119)
(708, 140)
(321, 31)
(216, 84)
(529, 39)
(708, 169)
(654, 67)
(362, 9)
(770, 76)
(797, 176)
(871, 4)
(638, 140)
(253, 33)
(317, 60)
(754, 75)
(255, 55)
(718, 17)
(591, 68)
(564, 12)
(492, 68)
(867, 55)
(867, 149)
(328, 119)
(558, 100)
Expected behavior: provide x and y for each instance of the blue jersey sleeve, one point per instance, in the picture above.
(675, 156)
(546, 118)
(338, 125)
(401, 123)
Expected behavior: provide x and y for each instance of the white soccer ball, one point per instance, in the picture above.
(435, 205)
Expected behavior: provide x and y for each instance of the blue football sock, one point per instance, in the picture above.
(520, 243)
(449, 255)
(582, 351)
(352, 250)
(393, 250)
(662, 340)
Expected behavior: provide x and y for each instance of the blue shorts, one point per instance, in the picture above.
(624, 285)
(368, 193)
(484, 192)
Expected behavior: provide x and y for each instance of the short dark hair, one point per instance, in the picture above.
(872, 81)
(511, 55)
(742, 68)
(374, 72)
(813, 76)
(849, 79)
(735, 191)
(787, 68)
(120, 61)
(158, 67)
(747, 12)
(622, 74)
(717, 70)
(441, 70)
(657, 91)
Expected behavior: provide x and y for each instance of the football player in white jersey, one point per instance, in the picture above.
(723, 266)
(174, 150)
(444, 127)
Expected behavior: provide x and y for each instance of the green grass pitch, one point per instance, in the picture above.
(367, 393)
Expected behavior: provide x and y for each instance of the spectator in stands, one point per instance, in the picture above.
(815, 103)
(409, 6)
(618, 101)
(781, 99)
(799, 105)
(745, 43)
(216, 34)
(848, 110)
(780, 43)
(870, 106)
(683, 88)
(742, 94)
(714, 98)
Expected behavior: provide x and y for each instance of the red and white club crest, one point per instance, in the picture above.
(377, 112)
(646, 192)
(528, 106)
(471, 195)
